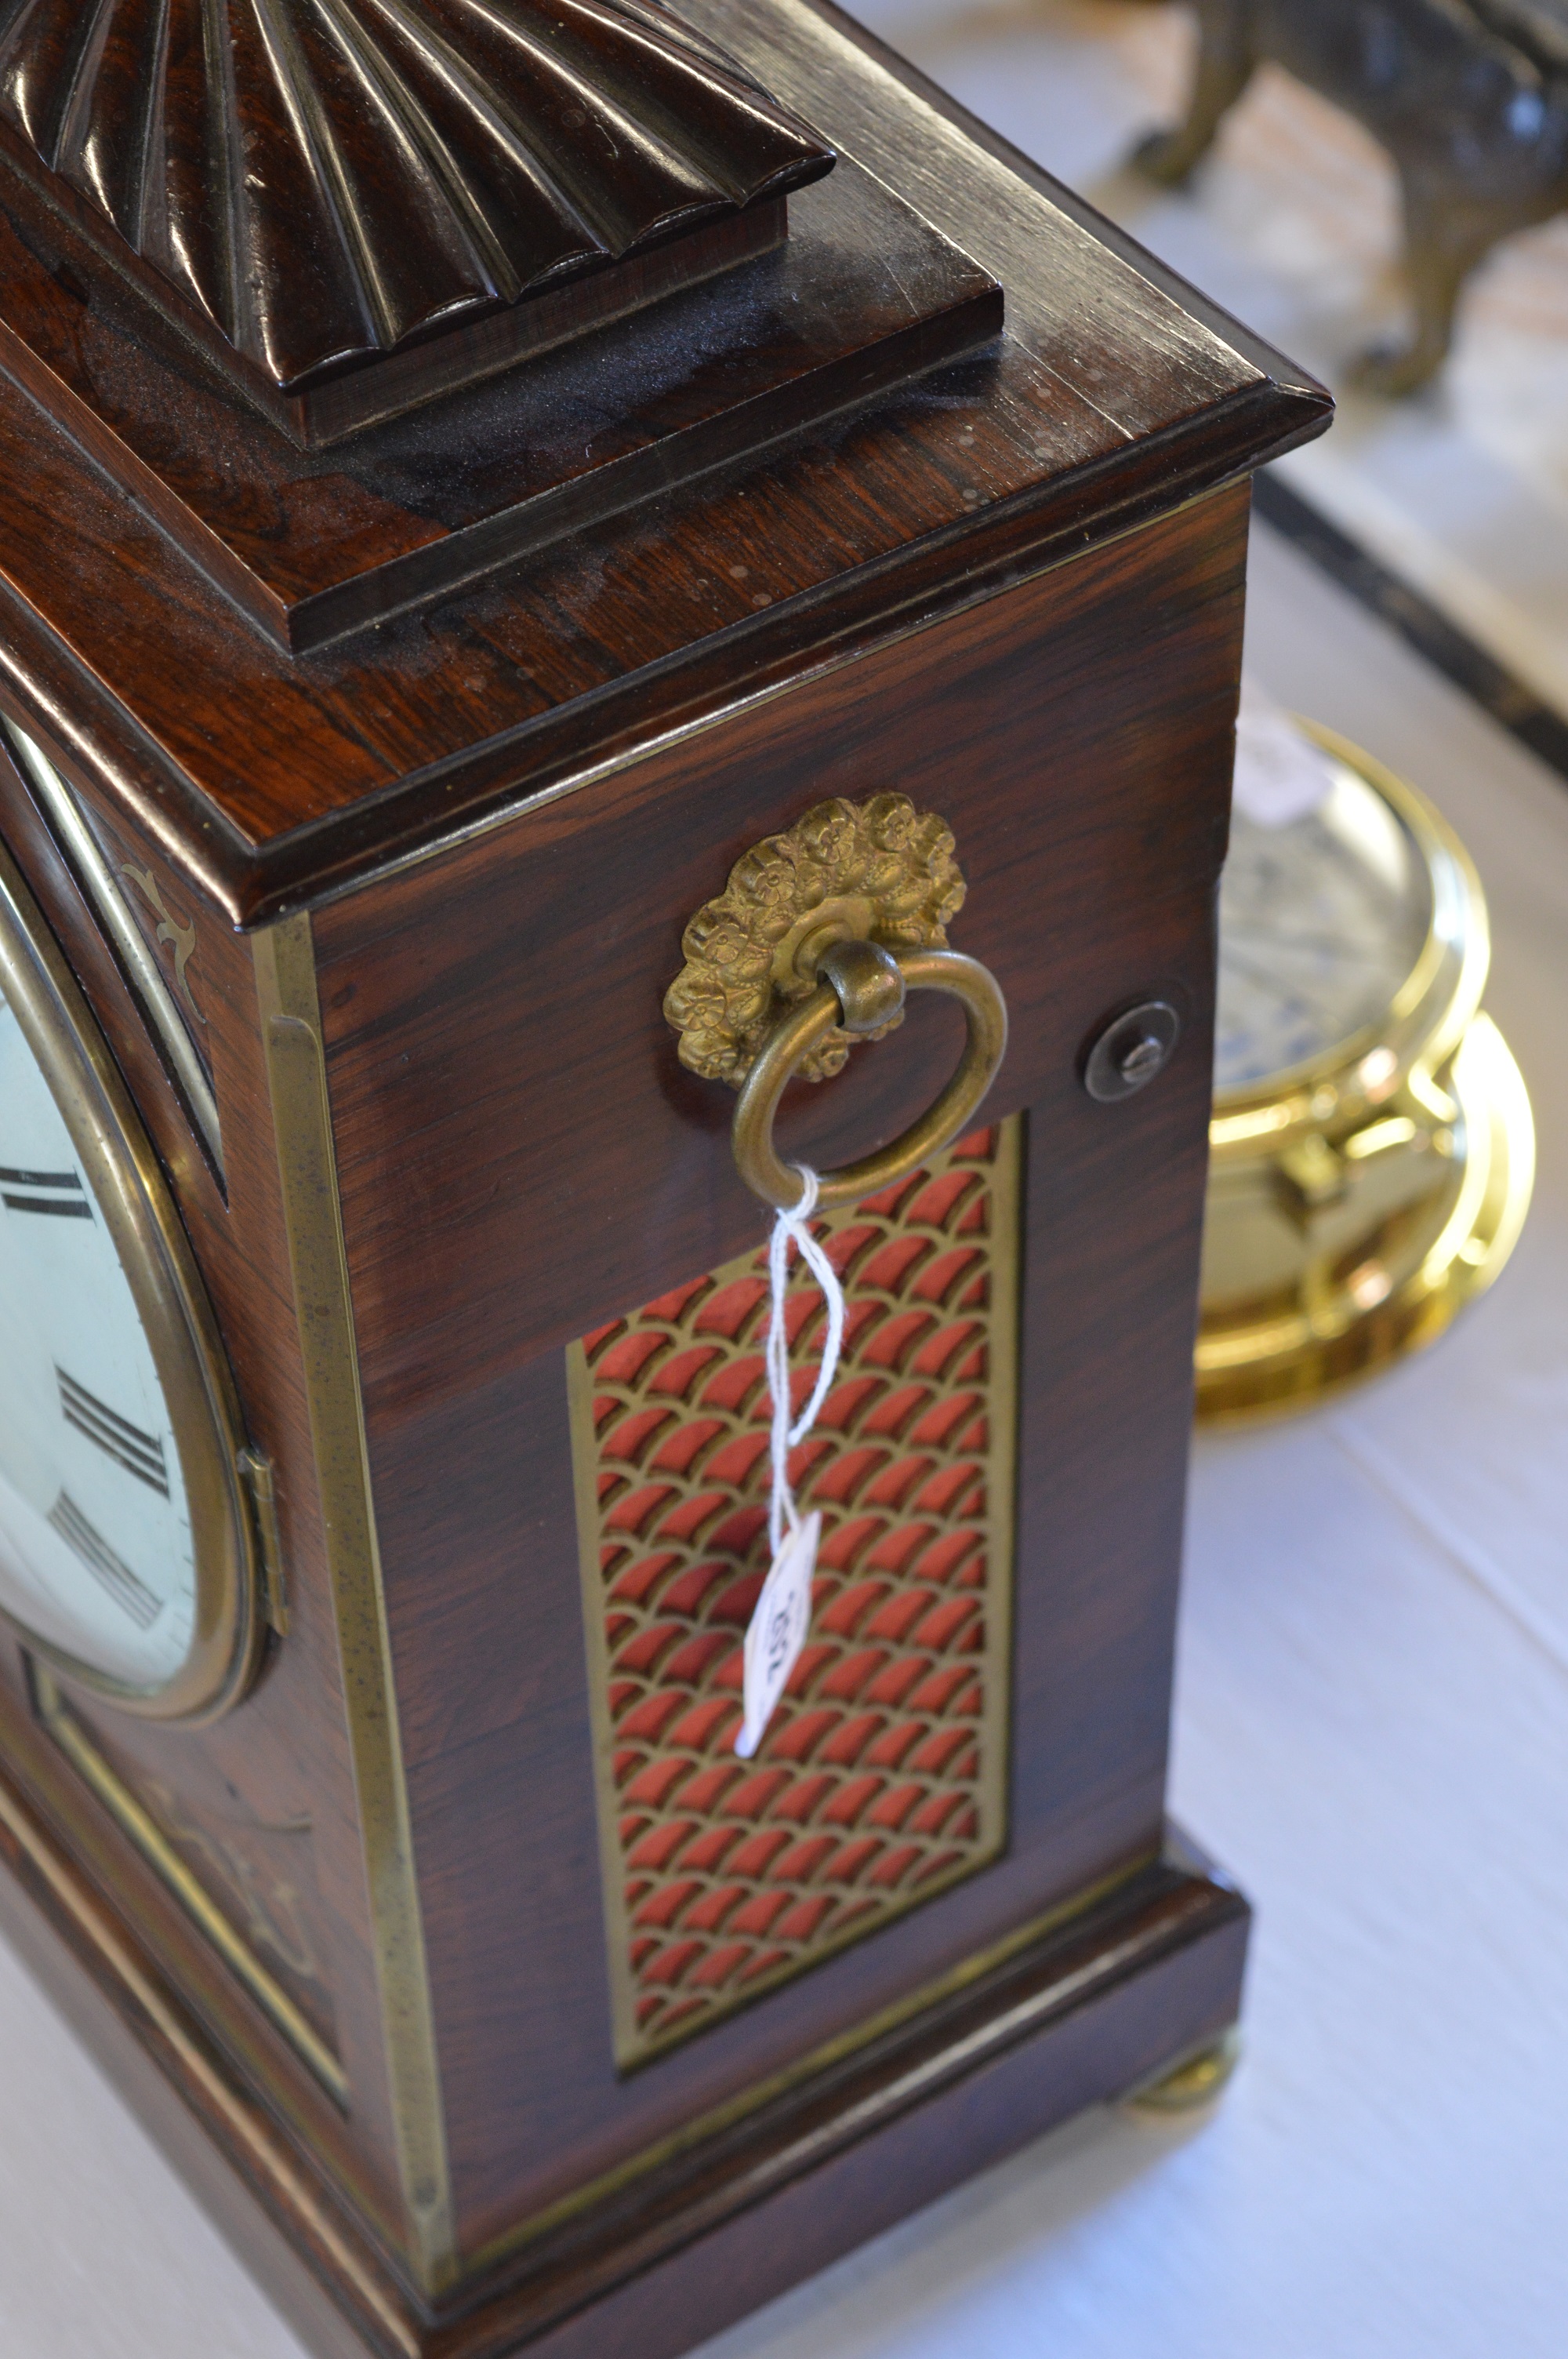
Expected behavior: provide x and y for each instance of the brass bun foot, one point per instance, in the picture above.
(1302, 1298)
(1190, 2086)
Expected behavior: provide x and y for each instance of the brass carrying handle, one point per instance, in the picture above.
(862, 987)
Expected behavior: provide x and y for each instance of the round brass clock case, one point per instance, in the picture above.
(1360, 1197)
(128, 1191)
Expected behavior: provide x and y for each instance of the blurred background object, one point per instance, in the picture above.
(1469, 98)
(1372, 1147)
(1448, 513)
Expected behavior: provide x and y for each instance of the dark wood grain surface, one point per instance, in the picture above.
(1081, 2016)
(523, 1156)
(270, 778)
(279, 1760)
(863, 295)
(1161, 1965)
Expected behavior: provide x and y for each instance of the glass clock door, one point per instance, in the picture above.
(95, 1544)
(127, 1547)
(1321, 919)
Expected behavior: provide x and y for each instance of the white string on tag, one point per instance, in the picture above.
(790, 1227)
(782, 1616)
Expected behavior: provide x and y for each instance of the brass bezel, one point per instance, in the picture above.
(1406, 1199)
(1425, 1020)
(1293, 1353)
(63, 809)
(130, 1191)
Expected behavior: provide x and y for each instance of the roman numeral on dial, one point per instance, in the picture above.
(71, 1203)
(111, 1571)
(139, 1453)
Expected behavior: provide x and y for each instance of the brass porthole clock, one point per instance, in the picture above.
(126, 1550)
(1372, 1143)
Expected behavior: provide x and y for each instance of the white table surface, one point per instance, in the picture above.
(1372, 1733)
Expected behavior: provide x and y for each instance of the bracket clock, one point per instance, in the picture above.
(595, 603)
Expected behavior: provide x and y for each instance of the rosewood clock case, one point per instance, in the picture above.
(416, 749)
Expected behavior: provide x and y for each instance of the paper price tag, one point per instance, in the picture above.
(777, 1632)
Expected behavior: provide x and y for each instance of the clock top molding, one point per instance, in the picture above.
(293, 637)
(326, 183)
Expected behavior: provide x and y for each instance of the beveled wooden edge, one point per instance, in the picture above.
(339, 2289)
(1267, 358)
(53, 695)
(88, 735)
(453, 800)
(302, 618)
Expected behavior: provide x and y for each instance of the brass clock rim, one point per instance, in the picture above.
(1429, 1014)
(1289, 1358)
(129, 1188)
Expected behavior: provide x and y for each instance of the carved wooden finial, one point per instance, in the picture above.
(327, 182)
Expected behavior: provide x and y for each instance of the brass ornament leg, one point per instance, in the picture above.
(1188, 2087)
(1225, 68)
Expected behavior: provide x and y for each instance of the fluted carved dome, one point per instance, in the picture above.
(330, 180)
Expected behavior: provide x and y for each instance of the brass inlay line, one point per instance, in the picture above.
(270, 2158)
(160, 1854)
(290, 1010)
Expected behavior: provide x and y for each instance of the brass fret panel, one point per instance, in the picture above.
(881, 1779)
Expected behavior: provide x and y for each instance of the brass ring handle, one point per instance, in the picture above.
(865, 987)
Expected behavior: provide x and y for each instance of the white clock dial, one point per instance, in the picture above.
(129, 1492)
(96, 1553)
(1321, 920)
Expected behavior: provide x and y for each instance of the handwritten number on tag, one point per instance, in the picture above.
(777, 1630)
